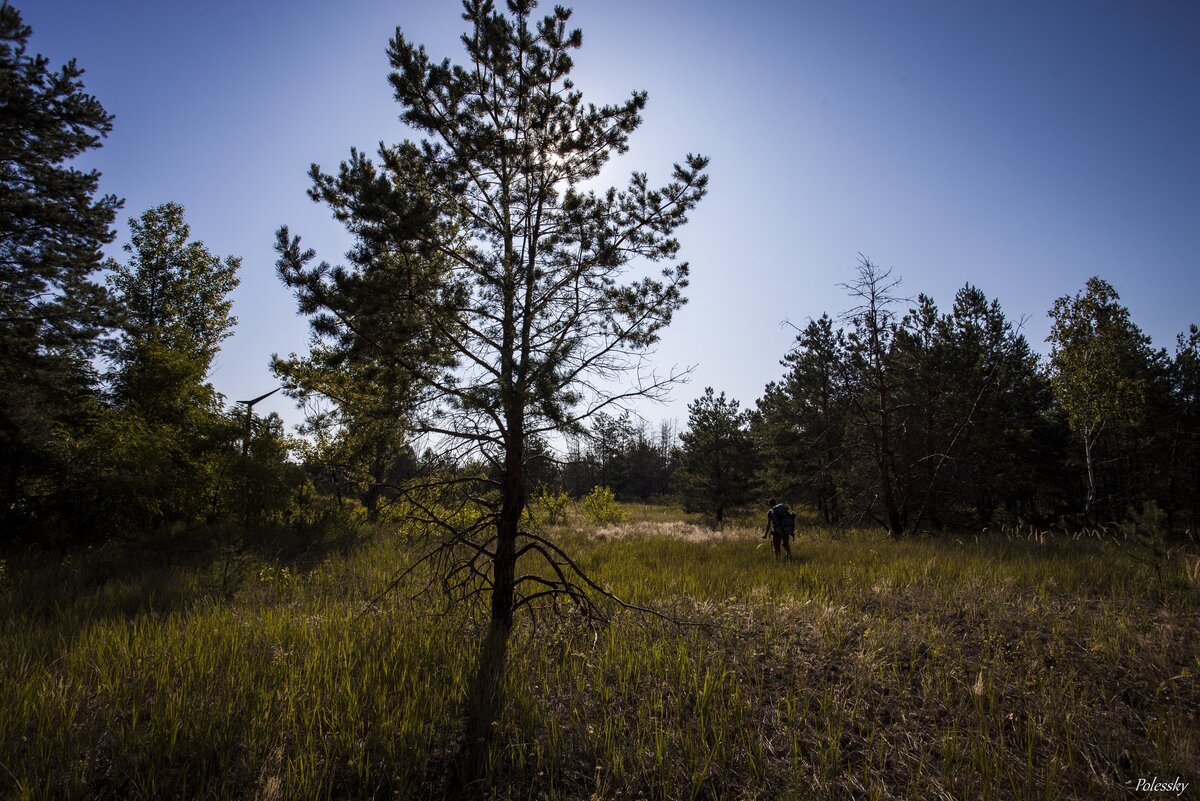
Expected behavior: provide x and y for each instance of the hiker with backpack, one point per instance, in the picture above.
(781, 525)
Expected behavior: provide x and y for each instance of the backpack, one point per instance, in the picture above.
(784, 520)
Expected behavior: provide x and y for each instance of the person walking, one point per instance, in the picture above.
(781, 525)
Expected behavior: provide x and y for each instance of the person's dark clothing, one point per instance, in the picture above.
(775, 528)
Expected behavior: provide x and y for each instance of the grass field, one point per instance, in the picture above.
(980, 668)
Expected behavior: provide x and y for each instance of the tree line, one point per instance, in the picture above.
(922, 420)
(917, 420)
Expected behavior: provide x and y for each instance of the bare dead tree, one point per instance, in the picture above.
(873, 400)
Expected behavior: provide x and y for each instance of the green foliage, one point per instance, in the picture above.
(616, 452)
(1145, 531)
(717, 464)
(929, 421)
(259, 487)
(53, 312)
(162, 459)
(600, 507)
(548, 507)
(139, 477)
(940, 420)
(1149, 522)
(172, 291)
(165, 385)
(167, 455)
(876, 420)
(1100, 363)
(174, 298)
(356, 421)
(442, 498)
(1098, 359)
(1183, 491)
(51, 224)
(976, 414)
(799, 425)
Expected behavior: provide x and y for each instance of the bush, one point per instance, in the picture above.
(600, 506)
(547, 508)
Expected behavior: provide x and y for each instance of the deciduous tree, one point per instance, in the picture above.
(172, 290)
(1099, 362)
(173, 443)
(1184, 477)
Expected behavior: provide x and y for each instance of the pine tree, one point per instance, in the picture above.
(716, 463)
(52, 227)
(876, 409)
(356, 420)
(485, 277)
(800, 422)
(978, 413)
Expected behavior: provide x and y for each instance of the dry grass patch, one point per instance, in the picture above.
(674, 529)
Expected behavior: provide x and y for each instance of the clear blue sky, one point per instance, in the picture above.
(1021, 147)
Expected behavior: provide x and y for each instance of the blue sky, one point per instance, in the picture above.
(1020, 147)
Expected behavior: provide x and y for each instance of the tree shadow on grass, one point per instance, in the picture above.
(155, 576)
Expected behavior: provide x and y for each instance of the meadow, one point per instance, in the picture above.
(1001, 666)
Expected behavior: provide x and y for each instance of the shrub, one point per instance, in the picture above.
(600, 506)
(547, 508)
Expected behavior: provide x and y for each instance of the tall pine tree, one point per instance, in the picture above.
(52, 311)
(485, 277)
(800, 423)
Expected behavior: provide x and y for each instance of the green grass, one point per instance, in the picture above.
(863, 668)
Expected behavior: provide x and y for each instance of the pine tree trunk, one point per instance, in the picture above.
(886, 473)
(1172, 476)
(1089, 459)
